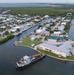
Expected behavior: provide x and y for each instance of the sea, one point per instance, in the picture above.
(24, 4)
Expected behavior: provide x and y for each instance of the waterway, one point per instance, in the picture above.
(47, 66)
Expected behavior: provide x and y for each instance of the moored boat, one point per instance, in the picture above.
(28, 60)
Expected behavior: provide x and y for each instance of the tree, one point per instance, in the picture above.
(6, 33)
(58, 39)
(64, 33)
(51, 31)
(39, 26)
(18, 30)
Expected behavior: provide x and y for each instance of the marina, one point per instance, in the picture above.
(48, 66)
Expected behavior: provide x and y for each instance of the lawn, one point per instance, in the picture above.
(27, 42)
(48, 53)
(70, 57)
(54, 55)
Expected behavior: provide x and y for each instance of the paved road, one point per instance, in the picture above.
(57, 24)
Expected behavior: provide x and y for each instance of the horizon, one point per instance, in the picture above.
(34, 3)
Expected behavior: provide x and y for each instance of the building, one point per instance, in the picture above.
(57, 33)
(40, 30)
(61, 28)
(32, 38)
(46, 16)
(63, 23)
(62, 50)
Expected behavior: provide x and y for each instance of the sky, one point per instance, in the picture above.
(36, 1)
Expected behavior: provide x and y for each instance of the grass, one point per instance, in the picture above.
(48, 53)
(1, 37)
(70, 57)
(27, 42)
(54, 55)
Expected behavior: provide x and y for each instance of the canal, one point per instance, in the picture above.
(47, 66)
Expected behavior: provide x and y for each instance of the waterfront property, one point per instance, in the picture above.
(61, 50)
(29, 42)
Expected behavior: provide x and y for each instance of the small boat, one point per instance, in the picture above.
(15, 43)
(28, 60)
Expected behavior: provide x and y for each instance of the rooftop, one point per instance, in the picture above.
(63, 48)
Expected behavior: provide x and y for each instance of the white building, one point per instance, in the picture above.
(46, 16)
(63, 23)
(41, 30)
(61, 28)
(32, 38)
(57, 33)
(63, 50)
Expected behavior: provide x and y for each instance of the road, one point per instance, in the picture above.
(57, 24)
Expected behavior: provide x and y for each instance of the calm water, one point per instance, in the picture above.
(47, 66)
(71, 32)
(24, 4)
(56, 37)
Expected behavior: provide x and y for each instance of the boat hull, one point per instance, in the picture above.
(36, 60)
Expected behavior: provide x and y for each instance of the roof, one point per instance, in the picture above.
(63, 48)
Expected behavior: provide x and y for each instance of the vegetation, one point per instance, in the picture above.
(48, 53)
(27, 42)
(6, 33)
(51, 31)
(48, 29)
(70, 57)
(67, 27)
(47, 37)
(52, 11)
(3, 40)
(58, 39)
(54, 55)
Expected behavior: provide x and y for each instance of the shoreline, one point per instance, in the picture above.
(61, 59)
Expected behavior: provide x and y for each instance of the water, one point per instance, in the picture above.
(55, 38)
(24, 4)
(71, 32)
(47, 66)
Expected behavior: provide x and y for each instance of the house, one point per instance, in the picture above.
(62, 50)
(32, 38)
(1, 33)
(47, 25)
(57, 33)
(46, 16)
(41, 30)
(61, 28)
(36, 20)
(63, 23)
(3, 27)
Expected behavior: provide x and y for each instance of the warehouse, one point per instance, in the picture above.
(62, 50)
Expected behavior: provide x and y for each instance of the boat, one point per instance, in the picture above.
(28, 60)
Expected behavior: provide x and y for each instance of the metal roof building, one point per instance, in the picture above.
(62, 50)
